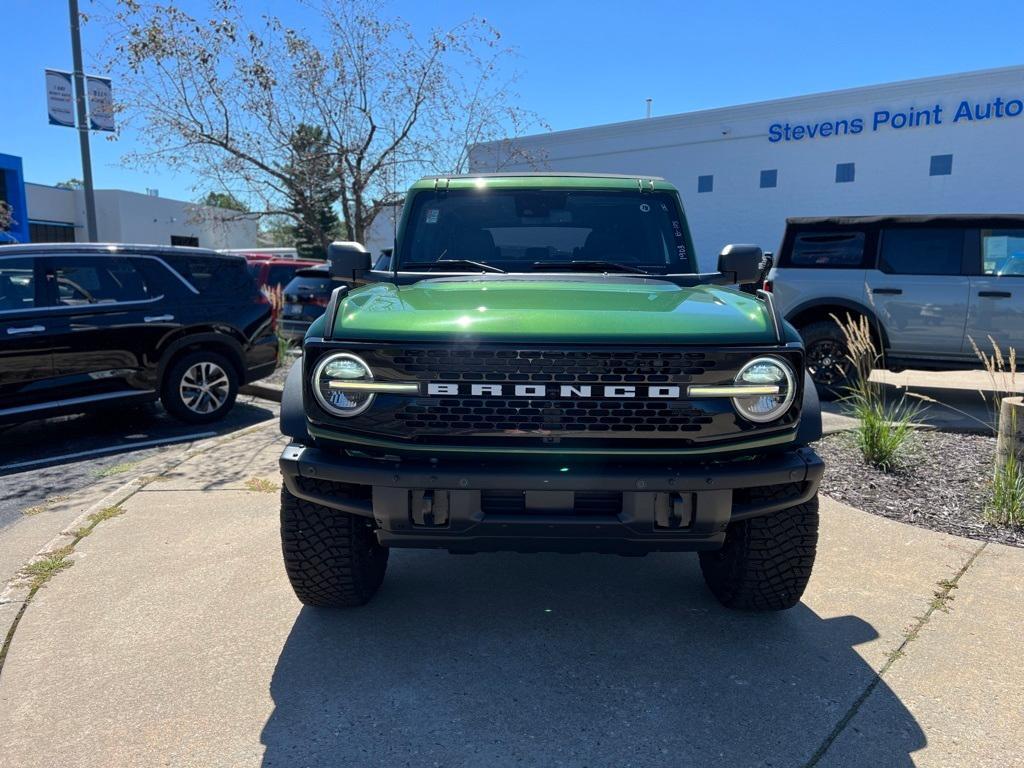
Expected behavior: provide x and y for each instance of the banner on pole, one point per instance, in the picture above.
(101, 103)
(60, 99)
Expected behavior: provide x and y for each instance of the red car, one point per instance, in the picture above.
(273, 272)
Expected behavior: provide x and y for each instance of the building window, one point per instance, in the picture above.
(51, 232)
(705, 183)
(844, 172)
(769, 179)
(185, 240)
(942, 165)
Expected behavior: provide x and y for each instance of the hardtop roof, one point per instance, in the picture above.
(916, 218)
(546, 180)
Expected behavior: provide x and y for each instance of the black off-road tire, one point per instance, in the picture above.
(766, 561)
(332, 558)
(824, 339)
(171, 393)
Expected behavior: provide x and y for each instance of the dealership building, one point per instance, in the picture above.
(45, 214)
(950, 144)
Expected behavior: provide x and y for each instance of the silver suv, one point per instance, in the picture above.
(927, 284)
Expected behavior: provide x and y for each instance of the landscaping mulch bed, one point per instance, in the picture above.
(942, 484)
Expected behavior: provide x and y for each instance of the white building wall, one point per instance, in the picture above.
(381, 234)
(46, 203)
(130, 217)
(732, 144)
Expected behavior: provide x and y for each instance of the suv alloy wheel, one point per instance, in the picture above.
(200, 387)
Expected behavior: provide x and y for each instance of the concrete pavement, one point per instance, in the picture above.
(175, 640)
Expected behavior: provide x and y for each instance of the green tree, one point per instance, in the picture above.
(315, 185)
(69, 184)
(224, 95)
(276, 232)
(224, 200)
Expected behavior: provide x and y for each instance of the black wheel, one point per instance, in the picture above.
(332, 558)
(827, 356)
(766, 561)
(199, 387)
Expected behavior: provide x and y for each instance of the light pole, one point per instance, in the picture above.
(83, 123)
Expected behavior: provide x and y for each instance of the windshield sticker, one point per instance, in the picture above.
(645, 207)
(432, 214)
(677, 231)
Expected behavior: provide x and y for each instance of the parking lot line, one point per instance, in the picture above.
(107, 449)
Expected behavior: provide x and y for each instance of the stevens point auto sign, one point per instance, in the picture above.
(966, 111)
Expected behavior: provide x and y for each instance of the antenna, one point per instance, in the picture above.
(649, 107)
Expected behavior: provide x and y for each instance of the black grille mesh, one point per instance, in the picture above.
(559, 366)
(505, 414)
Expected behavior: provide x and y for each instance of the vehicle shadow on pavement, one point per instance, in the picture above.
(583, 660)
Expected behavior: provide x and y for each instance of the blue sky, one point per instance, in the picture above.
(581, 63)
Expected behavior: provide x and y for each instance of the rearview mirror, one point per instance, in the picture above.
(740, 263)
(348, 259)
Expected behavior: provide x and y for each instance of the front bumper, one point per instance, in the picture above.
(462, 504)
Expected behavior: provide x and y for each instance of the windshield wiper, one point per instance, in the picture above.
(588, 266)
(452, 263)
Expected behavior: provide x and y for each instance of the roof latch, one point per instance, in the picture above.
(645, 185)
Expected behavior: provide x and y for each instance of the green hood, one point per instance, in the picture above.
(621, 310)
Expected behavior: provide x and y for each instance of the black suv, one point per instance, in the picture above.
(84, 324)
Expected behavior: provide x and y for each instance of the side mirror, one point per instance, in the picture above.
(348, 259)
(740, 263)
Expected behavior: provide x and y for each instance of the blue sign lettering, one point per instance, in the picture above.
(889, 119)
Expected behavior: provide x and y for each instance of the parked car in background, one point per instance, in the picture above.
(305, 299)
(263, 253)
(276, 272)
(928, 286)
(87, 324)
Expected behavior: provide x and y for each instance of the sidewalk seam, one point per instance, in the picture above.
(14, 592)
(937, 602)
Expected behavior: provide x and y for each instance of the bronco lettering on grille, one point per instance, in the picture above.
(563, 391)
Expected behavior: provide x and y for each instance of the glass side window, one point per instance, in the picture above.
(922, 251)
(83, 281)
(17, 285)
(1002, 251)
(828, 249)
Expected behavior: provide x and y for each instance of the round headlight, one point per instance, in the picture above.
(329, 379)
(766, 372)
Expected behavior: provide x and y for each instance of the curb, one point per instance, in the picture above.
(16, 595)
(263, 391)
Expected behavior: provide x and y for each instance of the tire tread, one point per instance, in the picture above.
(766, 561)
(332, 558)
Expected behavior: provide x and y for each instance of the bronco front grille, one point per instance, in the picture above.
(472, 418)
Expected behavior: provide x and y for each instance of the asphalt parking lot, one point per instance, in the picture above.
(44, 460)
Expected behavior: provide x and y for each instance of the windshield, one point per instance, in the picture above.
(533, 230)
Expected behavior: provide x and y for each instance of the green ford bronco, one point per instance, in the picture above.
(541, 367)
